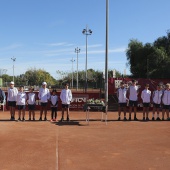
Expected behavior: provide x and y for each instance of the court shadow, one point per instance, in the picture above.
(6, 120)
(70, 123)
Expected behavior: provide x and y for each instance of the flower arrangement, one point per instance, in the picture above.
(95, 101)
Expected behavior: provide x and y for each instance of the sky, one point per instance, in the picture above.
(43, 34)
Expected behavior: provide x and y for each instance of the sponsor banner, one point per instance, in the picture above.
(78, 101)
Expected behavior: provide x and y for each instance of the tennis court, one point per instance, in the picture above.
(75, 145)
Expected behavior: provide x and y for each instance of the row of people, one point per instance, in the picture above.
(20, 98)
(125, 96)
(158, 98)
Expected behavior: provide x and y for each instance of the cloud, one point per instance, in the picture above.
(57, 44)
(65, 51)
(11, 47)
(4, 59)
(95, 45)
(70, 51)
(116, 50)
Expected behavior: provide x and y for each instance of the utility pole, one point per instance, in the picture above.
(72, 60)
(13, 59)
(86, 32)
(106, 57)
(77, 50)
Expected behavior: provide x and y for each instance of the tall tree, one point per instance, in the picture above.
(134, 55)
(37, 76)
(149, 60)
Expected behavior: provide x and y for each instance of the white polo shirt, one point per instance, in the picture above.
(54, 99)
(12, 94)
(166, 97)
(31, 98)
(21, 98)
(121, 94)
(146, 96)
(44, 95)
(157, 95)
(133, 91)
(66, 96)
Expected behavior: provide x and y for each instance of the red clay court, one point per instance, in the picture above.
(75, 145)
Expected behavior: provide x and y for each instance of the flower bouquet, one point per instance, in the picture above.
(95, 101)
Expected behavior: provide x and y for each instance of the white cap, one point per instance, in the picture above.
(44, 83)
(11, 82)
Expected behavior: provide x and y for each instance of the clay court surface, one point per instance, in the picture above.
(75, 145)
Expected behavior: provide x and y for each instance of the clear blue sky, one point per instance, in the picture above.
(44, 33)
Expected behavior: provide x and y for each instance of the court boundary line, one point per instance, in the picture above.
(57, 148)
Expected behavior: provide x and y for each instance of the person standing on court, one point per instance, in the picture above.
(122, 100)
(12, 98)
(66, 97)
(146, 97)
(133, 98)
(31, 103)
(2, 96)
(54, 105)
(166, 102)
(157, 99)
(44, 96)
(21, 103)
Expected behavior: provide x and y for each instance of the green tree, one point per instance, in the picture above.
(94, 77)
(149, 60)
(6, 79)
(133, 56)
(37, 76)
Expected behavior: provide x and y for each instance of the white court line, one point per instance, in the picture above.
(57, 148)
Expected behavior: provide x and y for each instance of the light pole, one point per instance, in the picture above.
(77, 50)
(72, 60)
(86, 32)
(13, 59)
(106, 55)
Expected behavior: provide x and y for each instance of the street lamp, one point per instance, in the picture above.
(106, 55)
(86, 32)
(77, 50)
(13, 59)
(72, 60)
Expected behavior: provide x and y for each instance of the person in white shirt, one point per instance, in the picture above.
(133, 98)
(166, 102)
(122, 100)
(31, 103)
(146, 96)
(12, 98)
(21, 102)
(66, 97)
(54, 105)
(156, 98)
(2, 96)
(44, 96)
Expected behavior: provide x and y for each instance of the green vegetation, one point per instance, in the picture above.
(35, 76)
(95, 78)
(149, 60)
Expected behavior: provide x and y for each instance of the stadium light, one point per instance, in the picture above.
(72, 60)
(86, 32)
(13, 59)
(77, 50)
